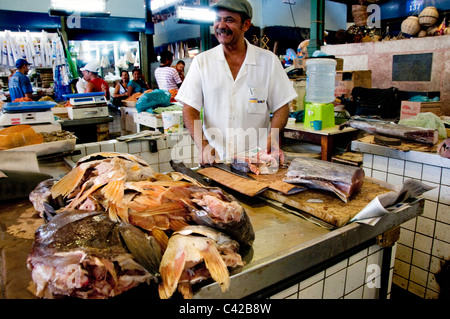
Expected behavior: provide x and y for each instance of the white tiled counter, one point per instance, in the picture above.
(424, 242)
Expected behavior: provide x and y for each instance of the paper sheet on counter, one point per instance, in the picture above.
(391, 202)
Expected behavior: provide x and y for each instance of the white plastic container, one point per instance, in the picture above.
(173, 122)
(320, 80)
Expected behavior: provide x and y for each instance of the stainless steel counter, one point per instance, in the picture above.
(286, 245)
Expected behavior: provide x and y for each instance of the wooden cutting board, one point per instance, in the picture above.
(251, 187)
(318, 203)
(327, 206)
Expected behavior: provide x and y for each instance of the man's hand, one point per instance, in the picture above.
(208, 155)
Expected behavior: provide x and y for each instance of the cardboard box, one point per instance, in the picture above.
(409, 108)
(297, 103)
(347, 80)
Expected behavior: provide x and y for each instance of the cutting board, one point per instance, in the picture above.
(327, 206)
(318, 203)
(252, 187)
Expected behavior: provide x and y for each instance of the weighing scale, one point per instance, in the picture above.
(86, 105)
(36, 113)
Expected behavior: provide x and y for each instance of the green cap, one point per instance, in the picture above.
(241, 6)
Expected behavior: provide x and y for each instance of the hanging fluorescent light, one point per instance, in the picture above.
(195, 15)
(82, 7)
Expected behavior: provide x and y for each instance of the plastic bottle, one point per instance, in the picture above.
(320, 80)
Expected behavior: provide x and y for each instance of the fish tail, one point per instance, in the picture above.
(118, 212)
(161, 238)
(68, 183)
(216, 266)
(177, 224)
(113, 191)
(170, 275)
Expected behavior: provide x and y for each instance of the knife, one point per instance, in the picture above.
(181, 168)
(229, 169)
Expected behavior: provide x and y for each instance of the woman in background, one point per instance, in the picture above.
(121, 89)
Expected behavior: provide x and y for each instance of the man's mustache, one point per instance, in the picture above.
(224, 31)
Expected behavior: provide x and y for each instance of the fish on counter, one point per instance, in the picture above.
(87, 255)
(261, 163)
(343, 180)
(196, 253)
(417, 134)
(121, 196)
(443, 148)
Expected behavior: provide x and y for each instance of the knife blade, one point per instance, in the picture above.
(181, 168)
(229, 169)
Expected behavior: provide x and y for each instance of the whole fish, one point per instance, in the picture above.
(343, 180)
(212, 207)
(417, 134)
(87, 255)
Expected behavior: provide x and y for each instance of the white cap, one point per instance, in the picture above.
(91, 67)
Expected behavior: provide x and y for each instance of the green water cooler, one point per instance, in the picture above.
(319, 111)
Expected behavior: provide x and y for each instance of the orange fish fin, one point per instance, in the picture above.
(79, 199)
(113, 191)
(68, 183)
(170, 274)
(161, 238)
(216, 266)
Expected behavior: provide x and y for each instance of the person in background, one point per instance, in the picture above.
(95, 82)
(19, 83)
(121, 89)
(180, 68)
(138, 83)
(166, 76)
(238, 85)
(82, 83)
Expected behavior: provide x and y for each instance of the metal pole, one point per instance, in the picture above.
(205, 33)
(316, 26)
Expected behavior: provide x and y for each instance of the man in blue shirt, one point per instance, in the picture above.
(19, 84)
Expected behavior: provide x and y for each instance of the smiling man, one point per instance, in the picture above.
(238, 85)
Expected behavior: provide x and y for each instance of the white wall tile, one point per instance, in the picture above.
(335, 268)
(380, 163)
(356, 294)
(416, 289)
(367, 160)
(121, 147)
(443, 213)
(430, 209)
(145, 146)
(396, 166)
(413, 169)
(287, 293)
(421, 259)
(404, 253)
(380, 175)
(367, 171)
(445, 176)
(334, 285)
(134, 147)
(311, 280)
(92, 148)
(406, 237)
(431, 173)
(395, 179)
(401, 269)
(422, 243)
(355, 275)
(312, 292)
(425, 226)
(441, 249)
(164, 155)
(442, 232)
(165, 167)
(106, 146)
(419, 276)
(161, 143)
(444, 196)
(358, 256)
